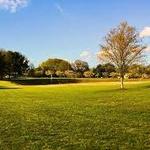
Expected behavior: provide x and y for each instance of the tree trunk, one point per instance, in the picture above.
(122, 82)
(1, 77)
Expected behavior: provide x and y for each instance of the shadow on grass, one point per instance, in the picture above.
(127, 89)
(8, 88)
(117, 90)
(146, 87)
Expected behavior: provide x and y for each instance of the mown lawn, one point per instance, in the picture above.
(89, 116)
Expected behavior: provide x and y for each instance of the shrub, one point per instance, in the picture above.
(132, 76)
(70, 74)
(60, 74)
(145, 76)
(38, 73)
(88, 74)
(49, 73)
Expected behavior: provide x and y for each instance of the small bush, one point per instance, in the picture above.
(60, 74)
(70, 74)
(88, 74)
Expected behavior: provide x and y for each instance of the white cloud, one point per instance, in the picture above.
(86, 55)
(12, 5)
(145, 32)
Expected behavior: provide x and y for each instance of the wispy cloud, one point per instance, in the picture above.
(12, 5)
(86, 55)
(145, 32)
(59, 8)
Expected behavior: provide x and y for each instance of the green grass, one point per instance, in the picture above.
(75, 117)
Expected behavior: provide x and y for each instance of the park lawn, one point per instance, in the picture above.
(75, 116)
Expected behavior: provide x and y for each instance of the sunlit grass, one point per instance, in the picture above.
(75, 116)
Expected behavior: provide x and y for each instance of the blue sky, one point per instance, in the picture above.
(68, 29)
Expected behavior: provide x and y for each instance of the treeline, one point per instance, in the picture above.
(60, 68)
(14, 64)
(80, 69)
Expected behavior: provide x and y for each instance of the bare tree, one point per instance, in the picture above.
(122, 47)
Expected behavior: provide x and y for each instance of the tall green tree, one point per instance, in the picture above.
(54, 65)
(80, 66)
(12, 63)
(104, 70)
(16, 64)
(2, 63)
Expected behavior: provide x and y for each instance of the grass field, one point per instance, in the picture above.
(82, 116)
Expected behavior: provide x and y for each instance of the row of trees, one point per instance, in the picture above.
(80, 69)
(14, 64)
(60, 68)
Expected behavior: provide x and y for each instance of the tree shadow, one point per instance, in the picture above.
(112, 90)
(8, 88)
(147, 87)
(125, 89)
